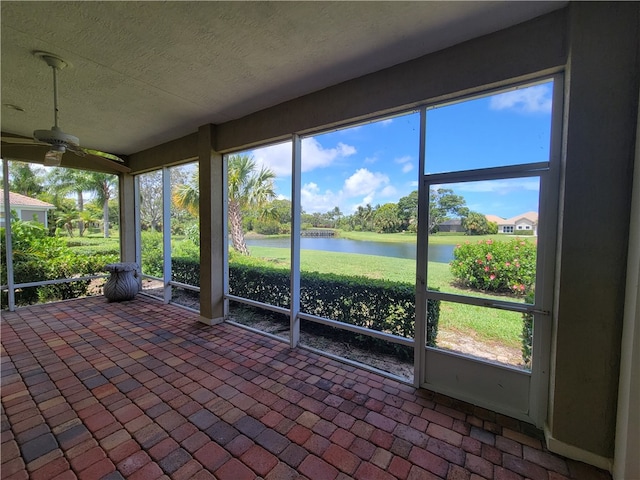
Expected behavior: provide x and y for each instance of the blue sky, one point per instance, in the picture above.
(377, 162)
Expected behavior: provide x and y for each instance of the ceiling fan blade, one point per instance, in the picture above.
(108, 156)
(19, 140)
(36, 154)
(107, 162)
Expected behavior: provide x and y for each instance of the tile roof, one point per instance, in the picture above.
(19, 200)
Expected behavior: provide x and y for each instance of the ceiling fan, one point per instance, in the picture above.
(57, 140)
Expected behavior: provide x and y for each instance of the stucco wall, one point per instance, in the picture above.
(601, 112)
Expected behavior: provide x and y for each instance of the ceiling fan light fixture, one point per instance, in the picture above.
(53, 157)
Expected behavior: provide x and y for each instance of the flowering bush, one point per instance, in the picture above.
(488, 265)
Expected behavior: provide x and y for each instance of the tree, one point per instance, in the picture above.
(63, 181)
(23, 180)
(386, 218)
(443, 202)
(103, 185)
(408, 211)
(248, 189)
(476, 224)
(150, 185)
(66, 215)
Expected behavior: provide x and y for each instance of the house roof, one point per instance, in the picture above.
(144, 73)
(19, 200)
(494, 219)
(531, 216)
(453, 221)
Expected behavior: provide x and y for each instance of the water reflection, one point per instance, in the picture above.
(437, 253)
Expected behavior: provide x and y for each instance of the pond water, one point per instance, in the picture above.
(437, 253)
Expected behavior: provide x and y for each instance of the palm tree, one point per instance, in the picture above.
(187, 195)
(68, 180)
(66, 216)
(248, 189)
(103, 185)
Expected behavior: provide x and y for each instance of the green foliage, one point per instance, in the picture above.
(38, 257)
(527, 332)
(379, 305)
(386, 218)
(267, 227)
(95, 246)
(476, 224)
(443, 203)
(507, 267)
(151, 247)
(192, 232)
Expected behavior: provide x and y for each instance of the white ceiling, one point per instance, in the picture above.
(144, 73)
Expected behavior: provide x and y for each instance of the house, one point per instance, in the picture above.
(525, 222)
(453, 225)
(168, 83)
(26, 208)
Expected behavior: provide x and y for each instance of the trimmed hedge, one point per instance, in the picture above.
(373, 304)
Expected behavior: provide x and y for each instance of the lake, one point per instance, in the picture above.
(437, 253)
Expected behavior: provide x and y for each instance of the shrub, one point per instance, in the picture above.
(503, 266)
(527, 332)
(193, 233)
(38, 257)
(374, 304)
(151, 247)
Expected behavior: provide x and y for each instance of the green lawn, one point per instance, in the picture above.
(439, 238)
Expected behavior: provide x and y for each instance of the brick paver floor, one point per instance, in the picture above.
(141, 390)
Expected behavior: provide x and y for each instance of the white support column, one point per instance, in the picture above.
(296, 162)
(166, 233)
(7, 231)
(129, 201)
(420, 328)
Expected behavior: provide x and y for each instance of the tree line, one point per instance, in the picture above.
(56, 185)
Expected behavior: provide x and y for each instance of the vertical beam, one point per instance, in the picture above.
(626, 463)
(422, 245)
(296, 208)
(7, 233)
(601, 111)
(213, 229)
(166, 233)
(129, 211)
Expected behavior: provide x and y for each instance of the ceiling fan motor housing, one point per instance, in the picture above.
(55, 136)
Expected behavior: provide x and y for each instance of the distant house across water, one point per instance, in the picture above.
(524, 222)
(453, 225)
(26, 208)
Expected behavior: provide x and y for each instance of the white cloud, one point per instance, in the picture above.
(278, 157)
(406, 162)
(527, 100)
(313, 200)
(363, 186)
(388, 191)
(364, 182)
(315, 156)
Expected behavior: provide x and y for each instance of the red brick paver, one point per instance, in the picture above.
(142, 390)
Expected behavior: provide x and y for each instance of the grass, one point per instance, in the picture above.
(438, 238)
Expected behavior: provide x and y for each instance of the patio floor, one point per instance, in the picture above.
(141, 390)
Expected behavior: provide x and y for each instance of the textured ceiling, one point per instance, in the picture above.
(143, 73)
